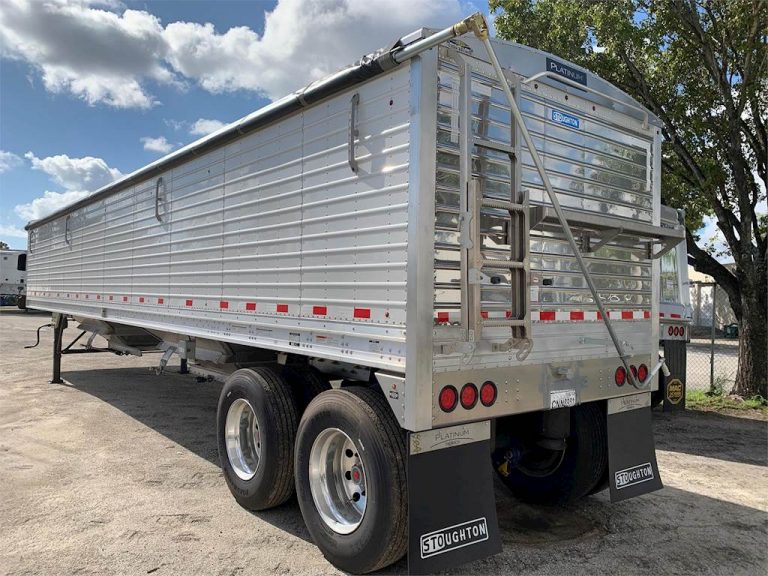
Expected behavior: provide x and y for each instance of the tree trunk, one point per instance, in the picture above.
(752, 375)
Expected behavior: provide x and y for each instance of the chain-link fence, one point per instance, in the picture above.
(713, 350)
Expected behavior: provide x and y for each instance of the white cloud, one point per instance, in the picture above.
(303, 40)
(79, 177)
(204, 126)
(9, 161)
(50, 202)
(159, 144)
(104, 54)
(95, 54)
(12, 232)
(87, 173)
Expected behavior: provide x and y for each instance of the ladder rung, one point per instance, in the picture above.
(502, 264)
(498, 146)
(503, 323)
(501, 204)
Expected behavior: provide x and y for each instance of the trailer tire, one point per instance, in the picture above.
(307, 383)
(582, 466)
(356, 425)
(256, 427)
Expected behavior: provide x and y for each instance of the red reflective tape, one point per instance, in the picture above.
(250, 306)
(111, 298)
(675, 316)
(98, 296)
(599, 315)
(125, 298)
(362, 313)
(626, 315)
(646, 314)
(577, 315)
(160, 300)
(547, 315)
(508, 314)
(86, 296)
(189, 303)
(282, 307)
(141, 299)
(443, 317)
(483, 314)
(661, 314)
(319, 310)
(224, 305)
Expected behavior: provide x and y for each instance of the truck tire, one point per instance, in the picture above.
(21, 302)
(351, 479)
(256, 426)
(549, 477)
(306, 383)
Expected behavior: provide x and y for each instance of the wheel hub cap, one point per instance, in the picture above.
(337, 481)
(243, 439)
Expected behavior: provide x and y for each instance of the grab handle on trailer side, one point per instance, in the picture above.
(67, 239)
(160, 182)
(353, 132)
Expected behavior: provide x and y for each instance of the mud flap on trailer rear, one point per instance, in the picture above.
(632, 468)
(451, 502)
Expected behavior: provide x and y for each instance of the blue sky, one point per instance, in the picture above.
(90, 90)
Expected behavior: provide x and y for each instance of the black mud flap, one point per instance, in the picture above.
(451, 502)
(632, 468)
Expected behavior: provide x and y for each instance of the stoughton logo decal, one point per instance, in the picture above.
(565, 119)
(453, 537)
(635, 475)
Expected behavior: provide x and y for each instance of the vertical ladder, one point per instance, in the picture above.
(516, 228)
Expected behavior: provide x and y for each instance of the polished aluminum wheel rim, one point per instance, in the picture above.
(337, 481)
(243, 439)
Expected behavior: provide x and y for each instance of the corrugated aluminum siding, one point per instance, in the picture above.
(270, 240)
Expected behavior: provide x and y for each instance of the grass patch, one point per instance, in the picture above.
(701, 400)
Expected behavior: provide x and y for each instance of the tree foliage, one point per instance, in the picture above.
(701, 66)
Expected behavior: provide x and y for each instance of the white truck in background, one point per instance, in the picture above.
(13, 277)
(435, 265)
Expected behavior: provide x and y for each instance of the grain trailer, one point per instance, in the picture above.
(436, 265)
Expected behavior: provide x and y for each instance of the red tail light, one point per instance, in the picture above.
(448, 398)
(468, 395)
(634, 371)
(642, 372)
(620, 376)
(488, 393)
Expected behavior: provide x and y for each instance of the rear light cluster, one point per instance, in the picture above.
(449, 397)
(676, 330)
(639, 373)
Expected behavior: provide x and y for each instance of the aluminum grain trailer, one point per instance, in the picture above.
(395, 270)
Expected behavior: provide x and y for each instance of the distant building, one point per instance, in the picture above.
(701, 302)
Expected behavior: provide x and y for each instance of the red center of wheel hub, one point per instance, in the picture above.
(356, 475)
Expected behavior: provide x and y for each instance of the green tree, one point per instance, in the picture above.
(3, 245)
(701, 67)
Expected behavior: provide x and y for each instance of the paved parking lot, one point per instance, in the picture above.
(116, 472)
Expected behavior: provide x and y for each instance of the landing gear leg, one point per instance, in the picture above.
(59, 325)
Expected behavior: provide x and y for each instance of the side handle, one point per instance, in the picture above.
(353, 132)
(67, 239)
(160, 182)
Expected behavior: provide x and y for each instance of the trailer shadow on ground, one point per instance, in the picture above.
(180, 408)
(184, 411)
(713, 435)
